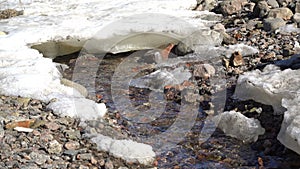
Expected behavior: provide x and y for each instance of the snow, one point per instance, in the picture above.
(281, 90)
(128, 150)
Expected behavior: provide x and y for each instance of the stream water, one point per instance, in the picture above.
(185, 148)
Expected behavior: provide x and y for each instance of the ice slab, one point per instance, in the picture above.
(61, 27)
(269, 86)
(279, 89)
(128, 150)
(237, 125)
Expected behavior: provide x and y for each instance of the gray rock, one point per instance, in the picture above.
(271, 24)
(29, 166)
(109, 164)
(85, 156)
(83, 167)
(210, 4)
(219, 27)
(284, 13)
(249, 7)
(297, 7)
(273, 3)
(229, 7)
(251, 24)
(261, 9)
(284, 3)
(72, 134)
(38, 158)
(296, 18)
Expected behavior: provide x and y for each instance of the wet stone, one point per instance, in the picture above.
(204, 71)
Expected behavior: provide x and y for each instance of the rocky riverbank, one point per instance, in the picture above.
(51, 141)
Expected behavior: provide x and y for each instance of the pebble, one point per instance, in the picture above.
(86, 156)
(204, 71)
(72, 145)
(38, 158)
(72, 134)
(54, 147)
(109, 165)
(52, 126)
(237, 59)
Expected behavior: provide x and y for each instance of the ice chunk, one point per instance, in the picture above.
(128, 150)
(159, 79)
(237, 125)
(289, 134)
(268, 86)
(281, 90)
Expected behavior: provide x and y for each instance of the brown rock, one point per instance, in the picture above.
(72, 145)
(204, 71)
(24, 123)
(229, 7)
(237, 59)
(284, 13)
(52, 126)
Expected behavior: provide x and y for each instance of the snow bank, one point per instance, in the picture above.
(61, 27)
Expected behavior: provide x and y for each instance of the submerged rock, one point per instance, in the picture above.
(237, 125)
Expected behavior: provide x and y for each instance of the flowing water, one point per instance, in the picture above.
(185, 144)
